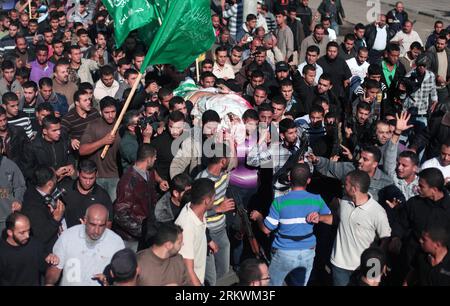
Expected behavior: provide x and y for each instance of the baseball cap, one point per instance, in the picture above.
(281, 66)
(123, 264)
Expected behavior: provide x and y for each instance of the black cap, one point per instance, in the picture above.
(124, 264)
(281, 66)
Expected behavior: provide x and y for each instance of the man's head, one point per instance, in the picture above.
(319, 32)
(210, 122)
(82, 100)
(165, 95)
(441, 43)
(87, 174)
(18, 229)
(407, 27)
(399, 7)
(316, 115)
(21, 44)
(381, 20)
(108, 109)
(279, 107)
(13, 29)
(260, 55)
(3, 122)
(75, 54)
(220, 156)
(221, 55)
(48, 37)
(288, 131)
(431, 183)
(444, 158)
(362, 112)
(124, 267)
(373, 264)
(9, 71)
(95, 221)
(58, 47)
(393, 53)
(51, 128)
(207, 79)
(282, 71)
(280, 18)
(359, 31)
(43, 110)
(300, 175)
(371, 90)
(257, 78)
(146, 155)
(383, 132)
(324, 84)
(349, 42)
(253, 272)
(24, 20)
(44, 178)
(250, 21)
(362, 56)
(138, 59)
(176, 124)
(42, 54)
(83, 37)
(309, 74)
(215, 19)
(250, 119)
(407, 165)
(415, 49)
(369, 159)
(287, 89)
(107, 75)
(10, 102)
(179, 185)
(357, 182)
(265, 113)
(61, 71)
(434, 237)
(46, 88)
(259, 95)
(203, 193)
(312, 54)
(236, 55)
(332, 50)
(326, 22)
(170, 237)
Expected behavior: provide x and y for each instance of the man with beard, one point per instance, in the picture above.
(337, 68)
(136, 197)
(22, 50)
(406, 37)
(79, 246)
(97, 135)
(358, 128)
(27, 103)
(61, 83)
(440, 65)
(22, 258)
(8, 82)
(46, 94)
(323, 90)
(304, 88)
(318, 39)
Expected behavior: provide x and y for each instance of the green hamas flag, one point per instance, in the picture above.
(186, 32)
(148, 32)
(129, 15)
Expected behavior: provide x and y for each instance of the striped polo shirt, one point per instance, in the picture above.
(288, 215)
(221, 182)
(75, 125)
(22, 121)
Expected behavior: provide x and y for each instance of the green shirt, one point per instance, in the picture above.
(388, 75)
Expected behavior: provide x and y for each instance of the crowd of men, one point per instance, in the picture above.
(340, 176)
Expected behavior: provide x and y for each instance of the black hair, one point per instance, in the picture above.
(45, 106)
(45, 82)
(287, 124)
(176, 116)
(10, 222)
(87, 166)
(42, 175)
(9, 97)
(106, 70)
(249, 271)
(307, 68)
(313, 48)
(361, 179)
(411, 155)
(433, 177)
(363, 105)
(250, 114)
(375, 151)
(374, 70)
(50, 119)
(300, 173)
(210, 116)
(180, 181)
(145, 151)
(167, 232)
(175, 100)
(108, 102)
(370, 257)
(7, 64)
(201, 188)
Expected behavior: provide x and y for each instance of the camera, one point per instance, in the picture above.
(152, 120)
(54, 197)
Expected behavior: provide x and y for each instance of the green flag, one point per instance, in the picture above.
(148, 32)
(186, 32)
(129, 15)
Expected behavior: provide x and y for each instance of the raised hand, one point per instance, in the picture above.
(402, 122)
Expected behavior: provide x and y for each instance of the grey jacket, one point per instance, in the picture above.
(12, 187)
(163, 212)
(340, 169)
(390, 163)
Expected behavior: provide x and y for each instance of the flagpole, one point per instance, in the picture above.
(122, 113)
(197, 69)
(128, 101)
(29, 9)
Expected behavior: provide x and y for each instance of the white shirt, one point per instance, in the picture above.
(332, 34)
(408, 39)
(225, 72)
(195, 245)
(80, 258)
(356, 69)
(434, 163)
(358, 227)
(102, 91)
(380, 39)
(319, 70)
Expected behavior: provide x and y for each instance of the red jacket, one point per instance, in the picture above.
(136, 201)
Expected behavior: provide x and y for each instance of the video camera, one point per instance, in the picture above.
(54, 197)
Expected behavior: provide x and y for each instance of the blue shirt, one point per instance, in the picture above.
(288, 214)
